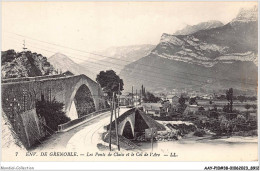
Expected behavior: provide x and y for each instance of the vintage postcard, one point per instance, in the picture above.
(129, 81)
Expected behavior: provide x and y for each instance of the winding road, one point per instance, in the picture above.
(84, 137)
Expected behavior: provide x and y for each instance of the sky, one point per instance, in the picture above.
(94, 26)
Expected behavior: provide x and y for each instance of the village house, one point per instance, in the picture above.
(207, 96)
(191, 109)
(172, 98)
(154, 109)
(169, 98)
(136, 99)
(163, 98)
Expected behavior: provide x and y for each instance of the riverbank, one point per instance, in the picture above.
(207, 149)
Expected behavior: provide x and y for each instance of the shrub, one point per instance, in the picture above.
(247, 106)
(226, 108)
(254, 106)
(201, 109)
(247, 133)
(53, 113)
(199, 133)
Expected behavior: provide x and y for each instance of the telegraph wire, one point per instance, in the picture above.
(170, 80)
(193, 85)
(148, 71)
(170, 76)
(120, 59)
(158, 83)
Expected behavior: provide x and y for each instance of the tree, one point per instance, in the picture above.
(142, 90)
(182, 101)
(229, 96)
(241, 98)
(253, 98)
(222, 97)
(201, 108)
(226, 108)
(254, 106)
(192, 101)
(224, 125)
(150, 98)
(8, 56)
(247, 106)
(109, 82)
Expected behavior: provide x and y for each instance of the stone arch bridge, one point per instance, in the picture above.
(134, 122)
(19, 96)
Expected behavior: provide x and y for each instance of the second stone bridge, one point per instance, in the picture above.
(133, 122)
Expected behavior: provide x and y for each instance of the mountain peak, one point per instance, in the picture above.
(212, 46)
(59, 56)
(200, 26)
(64, 63)
(246, 15)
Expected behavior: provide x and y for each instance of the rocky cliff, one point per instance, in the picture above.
(215, 58)
(27, 64)
(201, 26)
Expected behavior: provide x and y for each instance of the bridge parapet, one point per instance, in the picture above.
(42, 78)
(74, 122)
(27, 90)
(22, 79)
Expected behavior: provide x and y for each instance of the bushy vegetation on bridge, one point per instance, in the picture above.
(53, 113)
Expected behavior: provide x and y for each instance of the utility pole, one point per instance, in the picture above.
(118, 100)
(136, 95)
(50, 93)
(133, 95)
(140, 97)
(117, 138)
(152, 138)
(24, 100)
(111, 118)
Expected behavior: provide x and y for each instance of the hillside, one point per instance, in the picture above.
(117, 57)
(201, 26)
(216, 58)
(16, 64)
(63, 63)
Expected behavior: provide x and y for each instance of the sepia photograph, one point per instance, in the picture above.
(129, 81)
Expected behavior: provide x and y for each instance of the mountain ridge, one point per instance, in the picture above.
(118, 57)
(203, 53)
(189, 29)
(64, 63)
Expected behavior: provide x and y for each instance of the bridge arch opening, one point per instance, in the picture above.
(127, 131)
(73, 114)
(82, 104)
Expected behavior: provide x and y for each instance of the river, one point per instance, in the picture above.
(208, 149)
